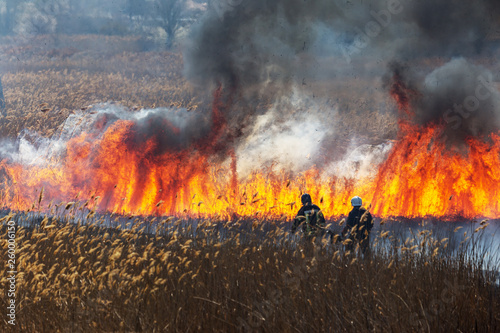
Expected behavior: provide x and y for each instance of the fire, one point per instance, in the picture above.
(423, 177)
(420, 177)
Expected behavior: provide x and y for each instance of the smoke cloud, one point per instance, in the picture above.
(258, 42)
(290, 144)
(163, 129)
(267, 50)
(464, 96)
(460, 95)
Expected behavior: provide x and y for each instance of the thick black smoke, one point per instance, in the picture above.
(459, 95)
(448, 27)
(271, 49)
(166, 130)
(255, 43)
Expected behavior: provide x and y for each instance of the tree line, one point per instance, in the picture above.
(122, 17)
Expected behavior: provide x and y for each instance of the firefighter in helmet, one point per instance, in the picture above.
(310, 217)
(358, 225)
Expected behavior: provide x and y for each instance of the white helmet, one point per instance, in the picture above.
(356, 201)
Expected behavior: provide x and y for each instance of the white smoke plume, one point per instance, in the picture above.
(149, 124)
(360, 161)
(291, 146)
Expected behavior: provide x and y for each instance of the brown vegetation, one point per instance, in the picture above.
(66, 73)
(63, 83)
(243, 275)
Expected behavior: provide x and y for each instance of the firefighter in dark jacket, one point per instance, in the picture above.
(358, 226)
(310, 217)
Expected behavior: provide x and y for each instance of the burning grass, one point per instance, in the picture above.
(168, 274)
(60, 76)
(55, 84)
(103, 273)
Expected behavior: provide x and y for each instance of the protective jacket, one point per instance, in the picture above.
(359, 224)
(311, 218)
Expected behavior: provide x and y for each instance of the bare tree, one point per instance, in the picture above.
(170, 14)
(39, 16)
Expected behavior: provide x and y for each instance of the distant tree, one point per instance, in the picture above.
(170, 15)
(52, 7)
(39, 17)
(32, 21)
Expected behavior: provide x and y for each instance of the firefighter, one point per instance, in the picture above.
(358, 226)
(310, 217)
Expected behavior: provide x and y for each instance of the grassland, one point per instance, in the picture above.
(170, 275)
(46, 78)
(42, 85)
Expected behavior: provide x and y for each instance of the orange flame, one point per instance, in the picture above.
(420, 177)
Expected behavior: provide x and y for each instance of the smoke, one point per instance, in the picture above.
(460, 95)
(293, 145)
(255, 46)
(464, 95)
(162, 129)
(267, 50)
(360, 162)
(168, 130)
(259, 43)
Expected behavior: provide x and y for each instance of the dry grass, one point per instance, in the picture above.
(46, 78)
(247, 275)
(44, 86)
(64, 91)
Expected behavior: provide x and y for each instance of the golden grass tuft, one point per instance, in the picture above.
(95, 278)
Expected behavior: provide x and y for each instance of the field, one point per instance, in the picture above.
(85, 271)
(183, 276)
(43, 84)
(76, 72)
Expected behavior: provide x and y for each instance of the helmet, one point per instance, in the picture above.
(305, 198)
(356, 201)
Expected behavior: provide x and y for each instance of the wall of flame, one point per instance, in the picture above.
(420, 177)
